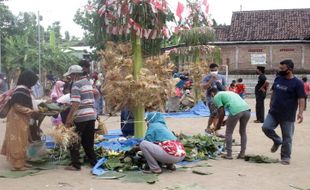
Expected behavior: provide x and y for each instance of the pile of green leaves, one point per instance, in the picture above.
(201, 146)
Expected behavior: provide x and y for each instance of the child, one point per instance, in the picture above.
(232, 86)
(240, 88)
(307, 90)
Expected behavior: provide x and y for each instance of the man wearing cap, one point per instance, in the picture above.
(287, 95)
(83, 115)
(260, 94)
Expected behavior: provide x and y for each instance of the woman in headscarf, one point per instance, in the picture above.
(56, 93)
(57, 90)
(16, 135)
(160, 144)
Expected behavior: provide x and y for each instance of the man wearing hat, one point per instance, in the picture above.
(287, 96)
(260, 94)
(83, 115)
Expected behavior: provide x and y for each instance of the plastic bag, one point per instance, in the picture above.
(36, 150)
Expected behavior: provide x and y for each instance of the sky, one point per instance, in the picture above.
(64, 10)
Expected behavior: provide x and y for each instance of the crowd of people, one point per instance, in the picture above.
(288, 96)
(81, 91)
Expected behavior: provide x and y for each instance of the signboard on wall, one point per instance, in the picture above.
(258, 59)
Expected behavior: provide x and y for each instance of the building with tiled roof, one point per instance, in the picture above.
(265, 37)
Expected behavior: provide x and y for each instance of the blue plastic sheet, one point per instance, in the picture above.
(199, 110)
(49, 142)
(184, 163)
(97, 169)
(113, 134)
(119, 146)
(116, 146)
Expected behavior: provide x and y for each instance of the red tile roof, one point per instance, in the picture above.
(282, 24)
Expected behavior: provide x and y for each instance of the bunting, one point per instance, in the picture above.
(180, 10)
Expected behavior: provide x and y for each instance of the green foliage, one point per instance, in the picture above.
(92, 24)
(19, 37)
(197, 36)
(95, 27)
(216, 55)
(260, 159)
(200, 146)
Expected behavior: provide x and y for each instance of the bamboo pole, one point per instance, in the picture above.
(139, 109)
(197, 91)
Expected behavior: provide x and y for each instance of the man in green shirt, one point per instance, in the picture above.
(238, 110)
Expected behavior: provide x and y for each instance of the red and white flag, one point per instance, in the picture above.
(205, 3)
(180, 10)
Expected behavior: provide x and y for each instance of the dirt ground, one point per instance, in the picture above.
(227, 174)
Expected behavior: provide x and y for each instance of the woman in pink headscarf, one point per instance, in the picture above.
(56, 93)
(57, 90)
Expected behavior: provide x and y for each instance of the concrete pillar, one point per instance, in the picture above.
(236, 57)
(270, 55)
(303, 56)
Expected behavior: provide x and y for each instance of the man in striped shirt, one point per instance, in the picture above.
(83, 115)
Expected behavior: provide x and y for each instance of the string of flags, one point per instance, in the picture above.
(118, 22)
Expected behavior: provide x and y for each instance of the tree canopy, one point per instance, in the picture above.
(19, 44)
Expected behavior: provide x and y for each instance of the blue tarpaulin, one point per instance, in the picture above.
(199, 110)
(116, 145)
(113, 144)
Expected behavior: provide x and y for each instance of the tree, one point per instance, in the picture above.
(19, 45)
(92, 23)
(67, 36)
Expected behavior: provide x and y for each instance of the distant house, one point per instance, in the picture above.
(81, 52)
(265, 38)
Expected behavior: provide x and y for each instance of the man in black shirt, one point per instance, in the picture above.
(260, 94)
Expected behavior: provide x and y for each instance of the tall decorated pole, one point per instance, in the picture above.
(135, 80)
(137, 65)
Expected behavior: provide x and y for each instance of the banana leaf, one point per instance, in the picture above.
(113, 164)
(199, 172)
(260, 159)
(139, 177)
(111, 175)
(185, 187)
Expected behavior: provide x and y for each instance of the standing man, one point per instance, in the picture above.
(287, 95)
(213, 80)
(260, 94)
(83, 115)
(238, 110)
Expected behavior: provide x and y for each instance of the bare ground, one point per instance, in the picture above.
(227, 174)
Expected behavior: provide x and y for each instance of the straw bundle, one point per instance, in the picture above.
(196, 72)
(101, 128)
(152, 88)
(64, 137)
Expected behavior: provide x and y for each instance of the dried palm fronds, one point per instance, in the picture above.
(197, 71)
(151, 89)
(64, 137)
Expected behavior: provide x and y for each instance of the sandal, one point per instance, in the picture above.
(225, 156)
(156, 171)
(285, 162)
(19, 169)
(27, 165)
(240, 156)
(171, 167)
(208, 130)
(72, 168)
